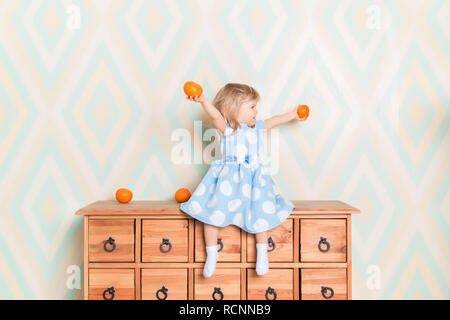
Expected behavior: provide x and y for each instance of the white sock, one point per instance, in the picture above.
(211, 259)
(262, 261)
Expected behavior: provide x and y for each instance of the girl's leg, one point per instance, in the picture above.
(262, 261)
(261, 237)
(210, 235)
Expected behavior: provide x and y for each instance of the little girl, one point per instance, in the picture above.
(238, 189)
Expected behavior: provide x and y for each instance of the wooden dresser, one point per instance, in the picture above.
(152, 250)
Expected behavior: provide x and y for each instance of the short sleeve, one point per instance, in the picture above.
(228, 129)
(217, 132)
(218, 135)
(259, 124)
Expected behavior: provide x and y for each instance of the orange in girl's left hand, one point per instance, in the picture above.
(182, 195)
(192, 89)
(123, 195)
(303, 111)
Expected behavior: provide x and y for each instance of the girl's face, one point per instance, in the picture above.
(247, 113)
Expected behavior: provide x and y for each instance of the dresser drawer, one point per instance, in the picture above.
(224, 284)
(165, 240)
(323, 240)
(281, 248)
(229, 242)
(164, 284)
(111, 240)
(111, 284)
(277, 284)
(323, 284)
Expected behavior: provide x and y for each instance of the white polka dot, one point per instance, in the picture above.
(241, 151)
(254, 165)
(249, 214)
(212, 202)
(261, 225)
(212, 188)
(217, 217)
(282, 215)
(251, 137)
(195, 207)
(268, 207)
(270, 195)
(200, 190)
(224, 172)
(226, 188)
(234, 204)
(265, 170)
(246, 190)
(262, 181)
(238, 219)
(255, 194)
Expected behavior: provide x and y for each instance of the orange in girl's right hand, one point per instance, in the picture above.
(303, 111)
(182, 195)
(192, 89)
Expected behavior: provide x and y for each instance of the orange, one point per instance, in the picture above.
(192, 89)
(303, 111)
(124, 195)
(182, 195)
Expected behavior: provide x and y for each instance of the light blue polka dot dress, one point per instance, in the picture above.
(238, 189)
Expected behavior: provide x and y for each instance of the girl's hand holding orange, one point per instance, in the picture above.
(196, 98)
(193, 91)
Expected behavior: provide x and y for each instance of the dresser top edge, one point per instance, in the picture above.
(157, 207)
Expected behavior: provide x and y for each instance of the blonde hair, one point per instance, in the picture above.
(230, 98)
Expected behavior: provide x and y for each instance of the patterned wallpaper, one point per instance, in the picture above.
(91, 93)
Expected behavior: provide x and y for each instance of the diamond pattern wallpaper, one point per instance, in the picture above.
(91, 92)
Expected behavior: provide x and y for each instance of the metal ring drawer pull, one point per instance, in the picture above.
(111, 291)
(112, 242)
(324, 292)
(217, 291)
(220, 243)
(324, 242)
(271, 291)
(271, 243)
(165, 242)
(163, 290)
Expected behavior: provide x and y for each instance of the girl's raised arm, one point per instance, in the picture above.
(282, 119)
(216, 117)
